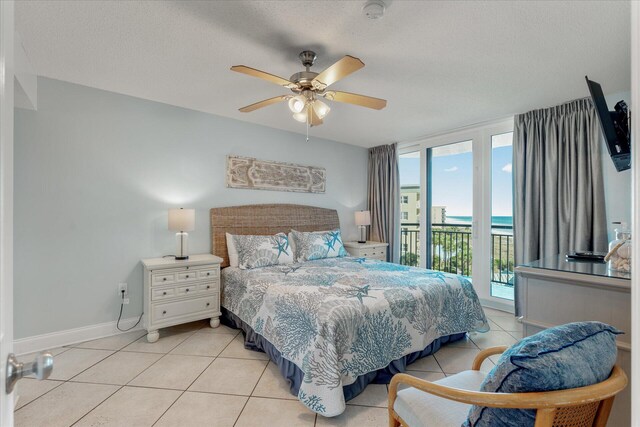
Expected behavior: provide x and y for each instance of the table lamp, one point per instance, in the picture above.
(182, 220)
(363, 218)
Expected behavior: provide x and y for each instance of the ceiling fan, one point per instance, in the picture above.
(309, 87)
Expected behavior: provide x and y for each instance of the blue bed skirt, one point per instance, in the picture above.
(293, 374)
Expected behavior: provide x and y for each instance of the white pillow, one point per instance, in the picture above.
(232, 251)
(262, 251)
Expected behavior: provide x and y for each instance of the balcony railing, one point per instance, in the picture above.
(452, 250)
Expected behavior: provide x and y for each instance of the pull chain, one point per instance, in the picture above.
(307, 130)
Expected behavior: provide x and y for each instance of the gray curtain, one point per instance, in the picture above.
(558, 191)
(384, 198)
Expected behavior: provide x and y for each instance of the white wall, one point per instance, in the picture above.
(95, 173)
(617, 185)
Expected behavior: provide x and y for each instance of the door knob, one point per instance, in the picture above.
(41, 367)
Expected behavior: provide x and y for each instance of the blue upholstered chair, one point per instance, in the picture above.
(564, 376)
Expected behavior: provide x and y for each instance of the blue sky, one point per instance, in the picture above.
(452, 181)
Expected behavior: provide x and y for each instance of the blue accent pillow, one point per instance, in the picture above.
(567, 356)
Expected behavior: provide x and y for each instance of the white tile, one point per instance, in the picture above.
(222, 329)
(517, 335)
(508, 323)
(428, 376)
(236, 349)
(372, 395)
(173, 371)
(203, 409)
(167, 342)
(70, 363)
(118, 369)
(260, 412)
(455, 359)
(131, 407)
(28, 357)
(63, 405)
(28, 389)
(425, 364)
(490, 312)
(492, 339)
(357, 416)
(203, 344)
(230, 376)
(273, 384)
(115, 342)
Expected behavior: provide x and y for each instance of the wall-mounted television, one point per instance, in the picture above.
(615, 127)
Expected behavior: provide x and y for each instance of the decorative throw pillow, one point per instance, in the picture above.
(232, 251)
(262, 251)
(559, 358)
(318, 245)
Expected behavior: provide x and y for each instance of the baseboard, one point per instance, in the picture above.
(72, 336)
(497, 305)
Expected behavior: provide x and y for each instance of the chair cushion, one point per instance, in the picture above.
(420, 409)
(559, 358)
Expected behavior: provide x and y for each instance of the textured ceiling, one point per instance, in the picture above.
(440, 65)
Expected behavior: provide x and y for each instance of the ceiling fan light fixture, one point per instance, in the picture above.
(321, 108)
(301, 116)
(297, 104)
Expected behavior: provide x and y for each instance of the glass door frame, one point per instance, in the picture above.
(482, 199)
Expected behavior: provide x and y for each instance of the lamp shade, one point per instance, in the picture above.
(363, 218)
(182, 219)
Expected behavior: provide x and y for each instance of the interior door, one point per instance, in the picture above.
(6, 203)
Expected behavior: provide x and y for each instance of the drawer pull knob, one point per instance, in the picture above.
(164, 279)
(187, 276)
(208, 274)
(208, 304)
(164, 293)
(164, 312)
(208, 287)
(187, 290)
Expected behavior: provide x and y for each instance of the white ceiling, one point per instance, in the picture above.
(440, 65)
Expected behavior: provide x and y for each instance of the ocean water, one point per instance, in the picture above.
(495, 220)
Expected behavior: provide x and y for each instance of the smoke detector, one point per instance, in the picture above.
(373, 9)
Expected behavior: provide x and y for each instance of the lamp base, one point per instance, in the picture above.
(180, 258)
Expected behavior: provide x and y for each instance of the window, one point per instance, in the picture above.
(405, 216)
(405, 199)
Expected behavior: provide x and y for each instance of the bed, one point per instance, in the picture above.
(335, 325)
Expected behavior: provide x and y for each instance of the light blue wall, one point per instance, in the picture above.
(95, 173)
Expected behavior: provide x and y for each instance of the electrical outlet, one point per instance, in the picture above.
(125, 301)
(123, 287)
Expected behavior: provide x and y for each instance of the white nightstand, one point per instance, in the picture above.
(373, 250)
(180, 291)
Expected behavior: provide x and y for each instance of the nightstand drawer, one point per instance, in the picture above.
(187, 290)
(209, 273)
(208, 287)
(372, 253)
(162, 312)
(163, 278)
(187, 276)
(159, 294)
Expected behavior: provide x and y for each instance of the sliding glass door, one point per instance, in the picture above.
(456, 200)
(450, 171)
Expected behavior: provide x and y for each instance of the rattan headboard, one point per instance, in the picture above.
(265, 220)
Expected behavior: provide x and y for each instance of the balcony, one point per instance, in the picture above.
(452, 252)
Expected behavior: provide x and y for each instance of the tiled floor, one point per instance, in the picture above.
(196, 376)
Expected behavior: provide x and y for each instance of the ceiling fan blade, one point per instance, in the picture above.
(314, 120)
(264, 103)
(354, 98)
(341, 69)
(264, 76)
